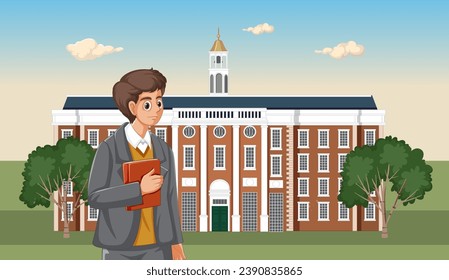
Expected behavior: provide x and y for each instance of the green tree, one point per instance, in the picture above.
(370, 169)
(51, 167)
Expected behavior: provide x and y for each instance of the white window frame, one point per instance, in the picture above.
(215, 157)
(280, 165)
(319, 187)
(319, 163)
(184, 131)
(339, 138)
(217, 127)
(66, 130)
(254, 149)
(299, 162)
(111, 132)
(71, 212)
(374, 136)
(280, 139)
(184, 157)
(249, 126)
(340, 181)
(89, 209)
(374, 212)
(340, 164)
(98, 137)
(299, 211)
(319, 138)
(299, 187)
(69, 190)
(319, 211)
(299, 138)
(339, 212)
(164, 130)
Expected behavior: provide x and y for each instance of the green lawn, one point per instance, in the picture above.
(419, 231)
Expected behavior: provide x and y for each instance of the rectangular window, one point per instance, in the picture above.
(370, 137)
(111, 132)
(303, 138)
(189, 159)
(303, 211)
(370, 214)
(162, 133)
(343, 212)
(69, 211)
(276, 166)
(323, 186)
(343, 138)
(276, 214)
(276, 138)
(188, 210)
(92, 213)
(92, 137)
(323, 138)
(323, 211)
(323, 162)
(66, 133)
(303, 162)
(67, 187)
(340, 181)
(303, 186)
(341, 161)
(249, 213)
(219, 158)
(250, 158)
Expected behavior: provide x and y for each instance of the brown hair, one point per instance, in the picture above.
(132, 84)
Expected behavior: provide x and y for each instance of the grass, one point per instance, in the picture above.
(419, 231)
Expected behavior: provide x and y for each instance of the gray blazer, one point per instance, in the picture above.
(116, 227)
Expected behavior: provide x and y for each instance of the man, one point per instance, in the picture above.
(148, 233)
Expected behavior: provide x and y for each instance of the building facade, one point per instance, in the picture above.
(247, 163)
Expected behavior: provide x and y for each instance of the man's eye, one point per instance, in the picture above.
(147, 105)
(159, 103)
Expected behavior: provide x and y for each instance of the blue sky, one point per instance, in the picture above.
(405, 53)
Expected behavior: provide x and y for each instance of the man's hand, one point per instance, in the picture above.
(151, 183)
(178, 252)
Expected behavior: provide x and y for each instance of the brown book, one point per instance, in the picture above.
(133, 171)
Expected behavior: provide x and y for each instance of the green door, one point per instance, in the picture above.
(219, 218)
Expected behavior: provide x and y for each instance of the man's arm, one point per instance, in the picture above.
(101, 193)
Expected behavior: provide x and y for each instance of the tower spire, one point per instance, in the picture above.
(218, 34)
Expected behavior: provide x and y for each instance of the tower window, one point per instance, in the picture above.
(218, 59)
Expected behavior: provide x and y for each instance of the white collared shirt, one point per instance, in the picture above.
(135, 140)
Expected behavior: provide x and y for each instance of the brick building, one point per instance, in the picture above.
(246, 163)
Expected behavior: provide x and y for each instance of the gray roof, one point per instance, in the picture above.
(269, 102)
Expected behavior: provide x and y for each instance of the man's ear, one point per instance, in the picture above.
(132, 107)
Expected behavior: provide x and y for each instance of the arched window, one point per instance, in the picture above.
(219, 83)
(224, 61)
(226, 84)
(218, 59)
(211, 83)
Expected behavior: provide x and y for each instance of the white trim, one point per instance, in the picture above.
(319, 187)
(276, 184)
(219, 126)
(98, 137)
(299, 162)
(249, 182)
(236, 178)
(250, 126)
(339, 213)
(188, 182)
(244, 149)
(69, 189)
(264, 187)
(299, 212)
(365, 212)
(299, 138)
(319, 163)
(71, 212)
(340, 181)
(272, 129)
(319, 211)
(175, 150)
(203, 183)
(66, 130)
(280, 166)
(339, 161)
(82, 217)
(111, 132)
(215, 157)
(184, 131)
(89, 209)
(184, 157)
(327, 138)
(364, 136)
(164, 129)
(55, 211)
(339, 138)
(308, 187)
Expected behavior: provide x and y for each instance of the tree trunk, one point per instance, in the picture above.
(66, 229)
(384, 209)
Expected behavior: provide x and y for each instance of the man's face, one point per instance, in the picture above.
(149, 108)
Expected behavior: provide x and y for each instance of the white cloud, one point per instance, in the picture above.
(260, 28)
(88, 49)
(343, 49)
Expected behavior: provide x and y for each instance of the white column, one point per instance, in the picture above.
(174, 147)
(82, 216)
(379, 213)
(264, 184)
(354, 209)
(236, 178)
(354, 218)
(55, 133)
(82, 136)
(203, 183)
(55, 212)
